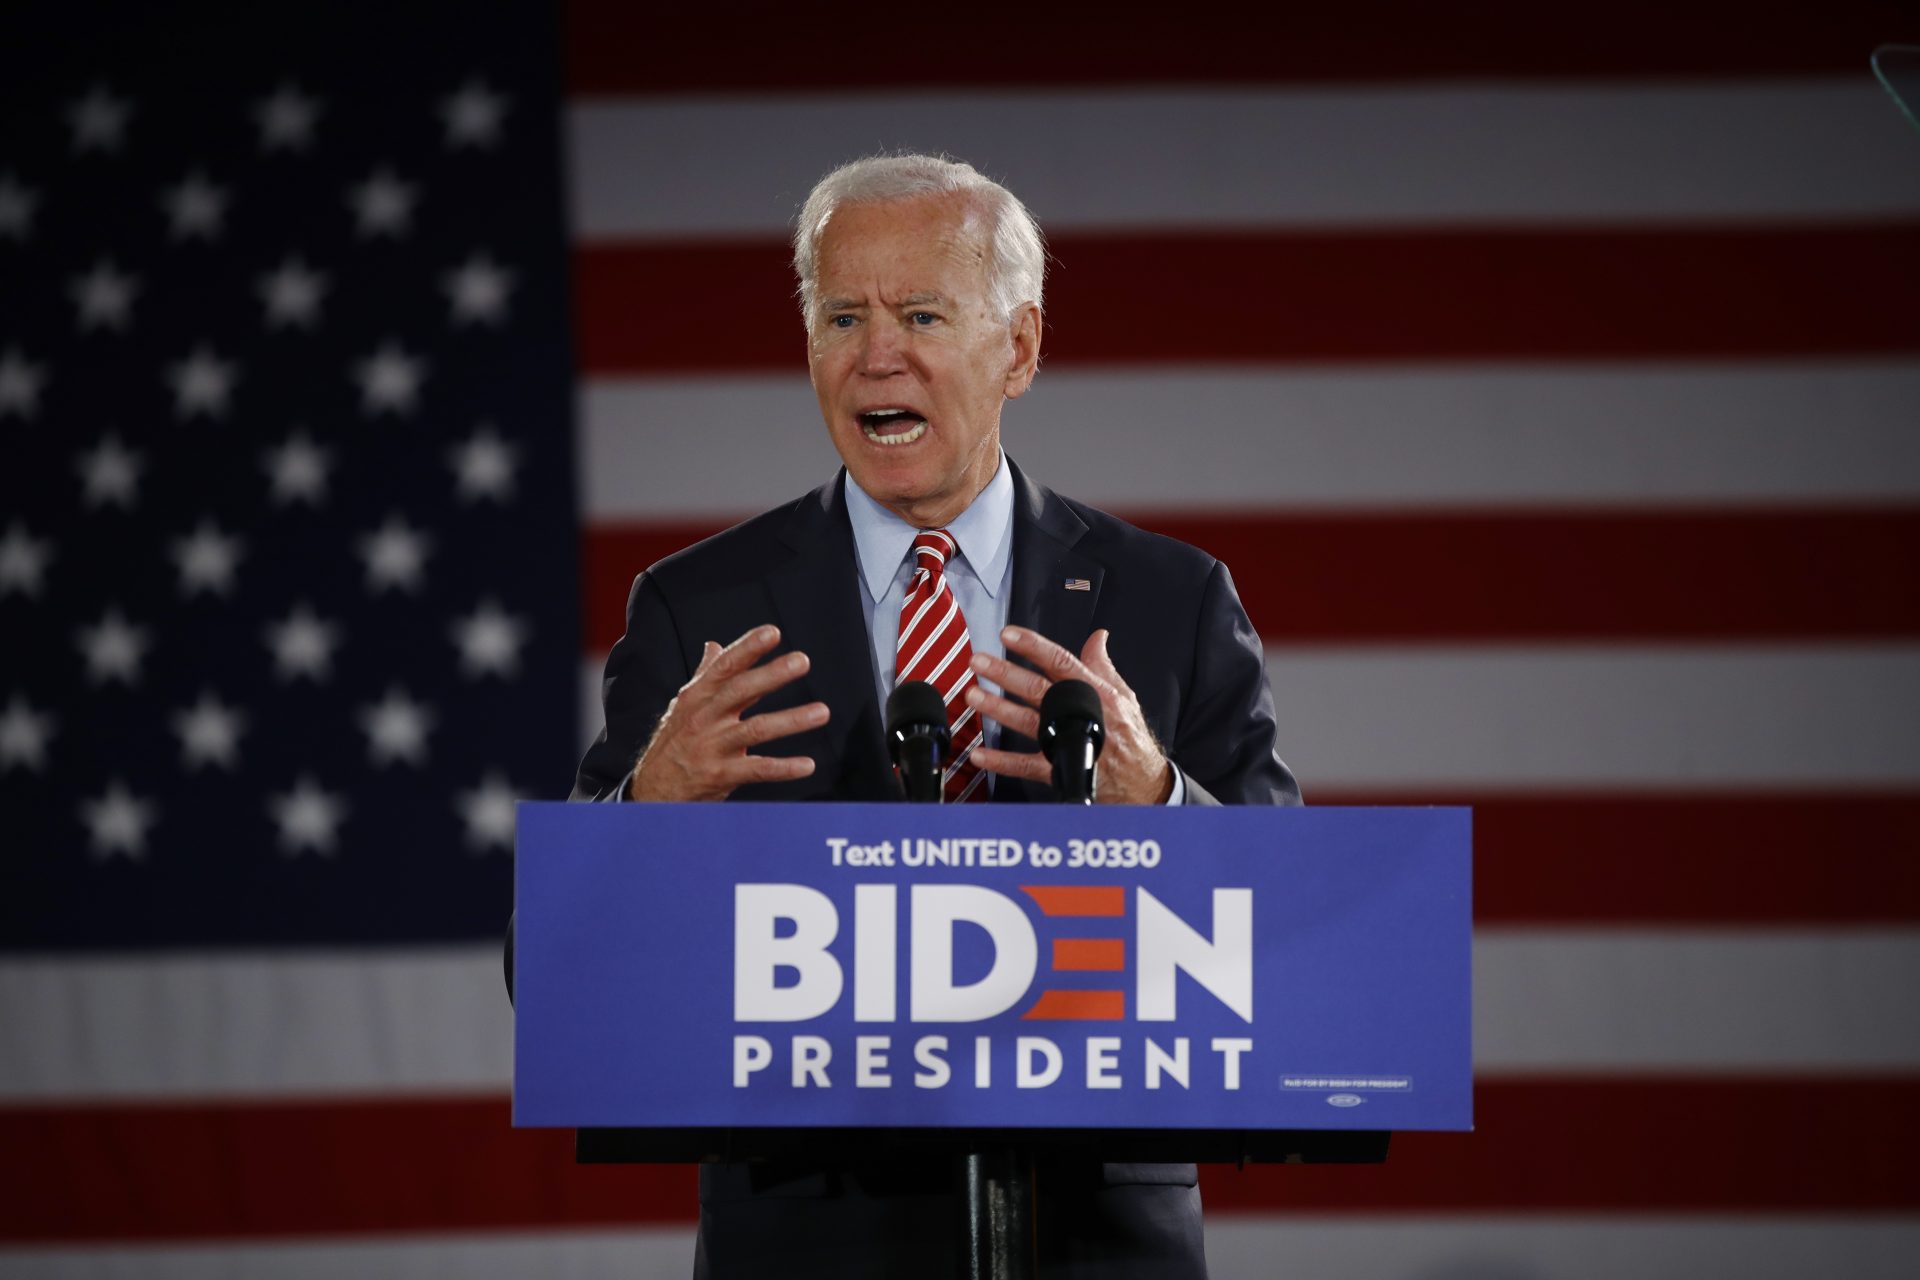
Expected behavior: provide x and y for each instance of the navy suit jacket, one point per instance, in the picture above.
(1181, 639)
(1179, 636)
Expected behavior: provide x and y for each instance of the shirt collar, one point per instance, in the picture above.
(984, 531)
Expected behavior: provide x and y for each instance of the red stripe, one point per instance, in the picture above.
(1717, 860)
(943, 645)
(1078, 1006)
(924, 609)
(1078, 900)
(279, 1169)
(924, 645)
(1496, 576)
(618, 48)
(1327, 297)
(1557, 575)
(933, 635)
(1666, 1146)
(1089, 955)
(965, 738)
(111, 1174)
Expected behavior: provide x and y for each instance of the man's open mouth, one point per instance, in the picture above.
(892, 426)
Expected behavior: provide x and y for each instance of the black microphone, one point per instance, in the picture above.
(1071, 735)
(919, 740)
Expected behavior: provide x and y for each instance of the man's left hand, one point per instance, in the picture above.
(1133, 768)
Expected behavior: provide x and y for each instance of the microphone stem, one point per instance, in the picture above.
(920, 770)
(1075, 783)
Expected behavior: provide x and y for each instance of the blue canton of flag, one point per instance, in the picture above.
(288, 547)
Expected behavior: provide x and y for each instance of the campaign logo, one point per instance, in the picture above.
(785, 968)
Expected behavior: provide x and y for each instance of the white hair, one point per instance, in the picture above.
(1016, 255)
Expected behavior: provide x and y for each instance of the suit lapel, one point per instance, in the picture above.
(1046, 533)
(820, 609)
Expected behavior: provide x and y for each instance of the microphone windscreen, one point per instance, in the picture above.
(914, 702)
(1070, 700)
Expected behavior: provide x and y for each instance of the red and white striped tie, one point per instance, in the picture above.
(934, 646)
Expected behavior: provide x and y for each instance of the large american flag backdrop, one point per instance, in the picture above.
(1550, 383)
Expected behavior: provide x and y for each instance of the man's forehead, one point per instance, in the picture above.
(954, 226)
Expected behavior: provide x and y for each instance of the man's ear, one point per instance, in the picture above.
(1026, 326)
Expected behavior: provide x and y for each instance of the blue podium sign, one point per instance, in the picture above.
(992, 966)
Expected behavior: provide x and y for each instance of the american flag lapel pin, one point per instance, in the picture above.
(1079, 584)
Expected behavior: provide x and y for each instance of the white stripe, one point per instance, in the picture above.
(169, 1026)
(1624, 434)
(1291, 157)
(906, 632)
(959, 761)
(1534, 1247)
(1239, 1247)
(953, 609)
(395, 1023)
(660, 1254)
(966, 678)
(1639, 717)
(1628, 717)
(933, 676)
(972, 783)
(1787, 1002)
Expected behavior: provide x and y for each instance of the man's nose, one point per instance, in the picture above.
(883, 350)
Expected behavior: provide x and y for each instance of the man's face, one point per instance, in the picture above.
(909, 361)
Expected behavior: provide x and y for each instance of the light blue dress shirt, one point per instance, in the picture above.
(981, 575)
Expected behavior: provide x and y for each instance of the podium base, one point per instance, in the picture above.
(999, 1214)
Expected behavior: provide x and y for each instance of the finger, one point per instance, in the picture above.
(1054, 662)
(745, 651)
(1100, 662)
(1009, 715)
(1018, 681)
(734, 693)
(1094, 656)
(755, 730)
(745, 769)
(1013, 764)
(708, 652)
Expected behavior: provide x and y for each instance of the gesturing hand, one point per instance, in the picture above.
(699, 748)
(1133, 768)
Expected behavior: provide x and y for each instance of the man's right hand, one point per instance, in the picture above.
(699, 749)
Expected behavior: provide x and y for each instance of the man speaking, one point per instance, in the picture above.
(755, 666)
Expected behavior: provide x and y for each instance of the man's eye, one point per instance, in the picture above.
(840, 322)
(924, 317)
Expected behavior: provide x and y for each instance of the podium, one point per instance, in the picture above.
(842, 981)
